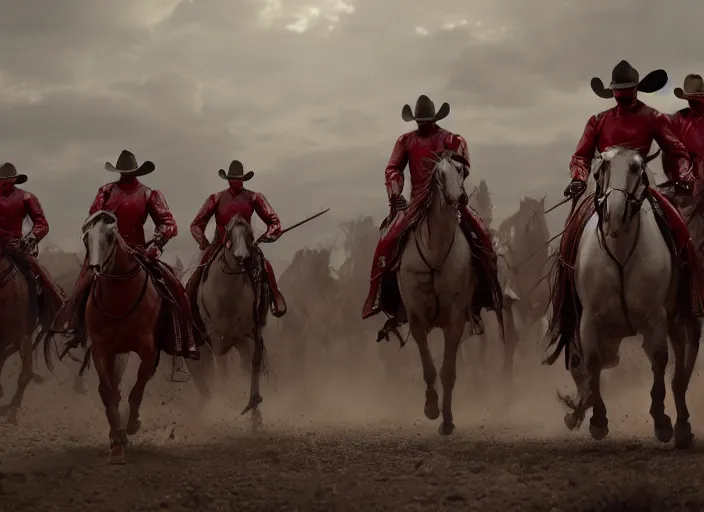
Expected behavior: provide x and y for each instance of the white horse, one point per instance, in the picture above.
(436, 281)
(228, 306)
(627, 284)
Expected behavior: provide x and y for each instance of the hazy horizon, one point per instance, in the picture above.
(308, 94)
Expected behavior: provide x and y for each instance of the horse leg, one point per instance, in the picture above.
(254, 397)
(448, 373)
(202, 371)
(25, 377)
(110, 395)
(655, 346)
(430, 374)
(586, 372)
(685, 344)
(510, 343)
(4, 355)
(144, 373)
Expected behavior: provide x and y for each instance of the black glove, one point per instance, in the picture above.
(683, 188)
(398, 203)
(575, 189)
(29, 245)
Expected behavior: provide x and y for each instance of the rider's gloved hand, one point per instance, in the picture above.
(683, 188)
(29, 244)
(576, 188)
(398, 203)
(153, 251)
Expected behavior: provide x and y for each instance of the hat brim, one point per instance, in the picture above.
(19, 179)
(245, 177)
(144, 169)
(652, 82)
(679, 93)
(442, 113)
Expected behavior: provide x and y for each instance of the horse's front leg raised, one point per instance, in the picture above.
(144, 374)
(655, 346)
(448, 371)
(586, 372)
(430, 374)
(109, 390)
(26, 376)
(685, 335)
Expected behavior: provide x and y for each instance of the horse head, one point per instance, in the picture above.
(451, 169)
(622, 186)
(239, 240)
(100, 236)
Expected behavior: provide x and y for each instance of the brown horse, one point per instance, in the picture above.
(19, 310)
(122, 315)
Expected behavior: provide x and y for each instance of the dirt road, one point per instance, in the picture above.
(345, 445)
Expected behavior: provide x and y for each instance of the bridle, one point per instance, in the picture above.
(125, 276)
(437, 182)
(634, 201)
(226, 266)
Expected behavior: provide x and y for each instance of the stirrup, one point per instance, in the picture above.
(390, 327)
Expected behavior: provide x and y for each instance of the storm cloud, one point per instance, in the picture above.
(308, 94)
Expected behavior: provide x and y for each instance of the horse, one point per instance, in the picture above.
(436, 279)
(19, 311)
(627, 283)
(233, 303)
(122, 315)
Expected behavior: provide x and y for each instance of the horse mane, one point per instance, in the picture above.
(104, 215)
(239, 220)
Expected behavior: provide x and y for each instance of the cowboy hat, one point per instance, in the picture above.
(9, 171)
(424, 111)
(236, 172)
(625, 76)
(693, 87)
(127, 165)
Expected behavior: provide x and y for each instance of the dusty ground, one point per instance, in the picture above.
(346, 439)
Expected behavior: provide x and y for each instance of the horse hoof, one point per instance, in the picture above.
(598, 432)
(133, 427)
(683, 435)
(664, 430)
(571, 421)
(117, 454)
(446, 428)
(432, 411)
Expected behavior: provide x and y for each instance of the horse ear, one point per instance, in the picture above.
(652, 157)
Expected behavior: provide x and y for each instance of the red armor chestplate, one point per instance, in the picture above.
(635, 128)
(688, 126)
(417, 150)
(132, 204)
(225, 205)
(13, 210)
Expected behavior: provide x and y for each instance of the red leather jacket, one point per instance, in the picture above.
(132, 202)
(635, 127)
(416, 150)
(14, 207)
(226, 204)
(688, 126)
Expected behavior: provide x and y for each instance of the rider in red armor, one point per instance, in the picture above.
(635, 125)
(688, 126)
(416, 149)
(132, 202)
(15, 205)
(224, 205)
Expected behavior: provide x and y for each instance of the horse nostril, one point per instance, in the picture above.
(464, 199)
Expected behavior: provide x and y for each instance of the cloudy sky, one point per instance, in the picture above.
(309, 93)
